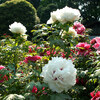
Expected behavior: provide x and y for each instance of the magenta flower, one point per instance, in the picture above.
(83, 49)
(79, 28)
(33, 58)
(1, 67)
(34, 90)
(95, 40)
(96, 46)
(95, 96)
(31, 48)
(4, 77)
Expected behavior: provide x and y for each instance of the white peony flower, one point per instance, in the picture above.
(72, 32)
(64, 15)
(17, 28)
(24, 36)
(60, 74)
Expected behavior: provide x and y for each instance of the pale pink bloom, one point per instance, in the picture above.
(95, 40)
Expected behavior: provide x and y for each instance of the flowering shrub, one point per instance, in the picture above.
(60, 63)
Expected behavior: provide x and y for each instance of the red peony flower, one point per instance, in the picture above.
(4, 77)
(34, 90)
(34, 58)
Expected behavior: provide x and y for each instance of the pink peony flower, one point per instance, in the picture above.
(34, 58)
(77, 24)
(83, 49)
(51, 52)
(95, 96)
(34, 90)
(1, 67)
(30, 50)
(96, 46)
(79, 28)
(4, 77)
(95, 40)
(48, 53)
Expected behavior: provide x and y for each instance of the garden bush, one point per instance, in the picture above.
(19, 11)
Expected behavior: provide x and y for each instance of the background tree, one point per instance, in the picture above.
(35, 3)
(44, 12)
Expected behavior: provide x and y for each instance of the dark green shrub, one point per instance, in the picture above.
(19, 11)
(44, 12)
(35, 3)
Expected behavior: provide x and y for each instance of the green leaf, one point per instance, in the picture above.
(29, 96)
(60, 97)
(30, 86)
(44, 97)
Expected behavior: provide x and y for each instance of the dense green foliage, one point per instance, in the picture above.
(35, 3)
(19, 11)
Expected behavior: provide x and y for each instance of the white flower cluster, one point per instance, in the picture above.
(60, 74)
(71, 31)
(17, 28)
(64, 15)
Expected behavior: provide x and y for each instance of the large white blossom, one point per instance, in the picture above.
(60, 74)
(17, 28)
(64, 15)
